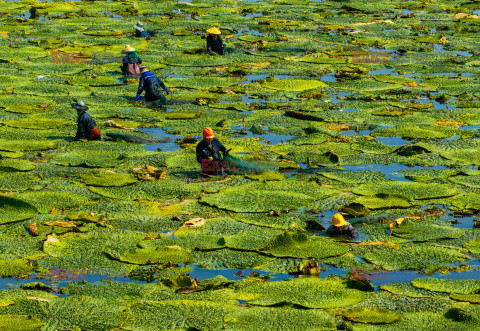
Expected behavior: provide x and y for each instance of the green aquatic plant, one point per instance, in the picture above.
(372, 316)
(409, 190)
(300, 245)
(107, 179)
(464, 286)
(305, 292)
(14, 210)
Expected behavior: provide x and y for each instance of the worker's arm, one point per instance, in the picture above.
(350, 231)
(80, 131)
(162, 85)
(210, 45)
(221, 148)
(139, 60)
(222, 47)
(141, 85)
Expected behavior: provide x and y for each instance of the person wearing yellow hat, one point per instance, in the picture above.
(214, 42)
(340, 227)
(208, 153)
(131, 62)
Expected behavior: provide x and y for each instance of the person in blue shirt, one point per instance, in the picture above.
(152, 86)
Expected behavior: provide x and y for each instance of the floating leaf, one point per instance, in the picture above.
(464, 286)
(302, 246)
(306, 292)
(14, 210)
(109, 179)
(410, 190)
(372, 316)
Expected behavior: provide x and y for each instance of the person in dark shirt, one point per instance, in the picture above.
(208, 153)
(340, 227)
(140, 31)
(152, 85)
(86, 126)
(131, 58)
(214, 42)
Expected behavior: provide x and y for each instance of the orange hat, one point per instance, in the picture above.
(207, 133)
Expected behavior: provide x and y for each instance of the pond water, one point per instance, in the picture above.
(169, 146)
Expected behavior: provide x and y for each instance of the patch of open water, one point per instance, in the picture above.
(169, 146)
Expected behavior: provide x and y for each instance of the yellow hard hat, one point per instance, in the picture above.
(214, 30)
(338, 220)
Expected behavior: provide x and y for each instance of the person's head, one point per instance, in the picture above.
(208, 135)
(338, 221)
(143, 70)
(138, 27)
(79, 106)
(214, 32)
(128, 49)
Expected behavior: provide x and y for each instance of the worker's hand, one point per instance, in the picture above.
(167, 90)
(137, 98)
(210, 158)
(228, 151)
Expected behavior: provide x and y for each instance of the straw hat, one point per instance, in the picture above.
(128, 48)
(138, 26)
(338, 220)
(79, 105)
(214, 30)
(143, 69)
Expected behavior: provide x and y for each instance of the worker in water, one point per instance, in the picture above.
(340, 227)
(214, 42)
(86, 126)
(208, 153)
(140, 31)
(131, 62)
(153, 88)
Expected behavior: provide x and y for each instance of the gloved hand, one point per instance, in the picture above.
(167, 90)
(137, 97)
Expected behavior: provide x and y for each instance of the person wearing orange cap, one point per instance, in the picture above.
(340, 227)
(214, 42)
(208, 153)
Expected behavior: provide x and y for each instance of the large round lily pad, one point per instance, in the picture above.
(14, 210)
(109, 179)
(293, 84)
(410, 190)
(19, 322)
(306, 292)
(302, 246)
(372, 316)
(463, 286)
(37, 123)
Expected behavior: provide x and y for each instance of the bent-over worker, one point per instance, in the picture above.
(214, 42)
(86, 126)
(208, 153)
(153, 88)
(340, 227)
